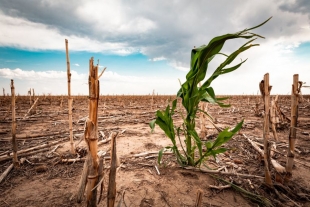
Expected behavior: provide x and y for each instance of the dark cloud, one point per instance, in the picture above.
(298, 6)
(58, 15)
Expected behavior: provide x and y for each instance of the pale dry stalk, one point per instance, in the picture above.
(111, 195)
(29, 93)
(14, 142)
(83, 180)
(292, 135)
(61, 101)
(265, 90)
(280, 170)
(91, 135)
(273, 119)
(69, 99)
(34, 110)
(6, 172)
(33, 105)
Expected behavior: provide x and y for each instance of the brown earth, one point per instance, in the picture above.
(43, 180)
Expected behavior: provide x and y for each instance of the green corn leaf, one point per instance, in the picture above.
(167, 112)
(222, 54)
(216, 44)
(163, 125)
(207, 98)
(258, 25)
(210, 91)
(223, 98)
(226, 135)
(228, 70)
(223, 105)
(237, 127)
(152, 125)
(218, 151)
(223, 137)
(197, 141)
(208, 145)
(220, 71)
(174, 105)
(160, 155)
(162, 115)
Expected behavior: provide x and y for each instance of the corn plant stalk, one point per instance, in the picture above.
(83, 180)
(273, 118)
(202, 118)
(292, 135)
(32, 107)
(29, 93)
(34, 110)
(100, 177)
(111, 195)
(91, 134)
(266, 97)
(69, 98)
(61, 101)
(14, 142)
(192, 95)
(6, 172)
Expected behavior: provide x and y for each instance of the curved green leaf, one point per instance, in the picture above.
(152, 125)
(160, 155)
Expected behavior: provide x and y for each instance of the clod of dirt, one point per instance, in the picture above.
(189, 174)
(151, 146)
(41, 168)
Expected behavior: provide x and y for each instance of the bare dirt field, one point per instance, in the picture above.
(44, 178)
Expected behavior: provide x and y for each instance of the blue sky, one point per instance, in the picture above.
(136, 64)
(46, 60)
(147, 47)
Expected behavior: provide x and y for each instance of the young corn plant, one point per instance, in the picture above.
(196, 151)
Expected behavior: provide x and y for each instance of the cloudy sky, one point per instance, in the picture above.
(146, 45)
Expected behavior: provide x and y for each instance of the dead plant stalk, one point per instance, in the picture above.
(14, 142)
(91, 137)
(111, 195)
(69, 98)
(292, 135)
(33, 106)
(265, 90)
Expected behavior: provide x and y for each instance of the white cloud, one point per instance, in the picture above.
(179, 65)
(55, 82)
(157, 59)
(76, 64)
(37, 75)
(116, 19)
